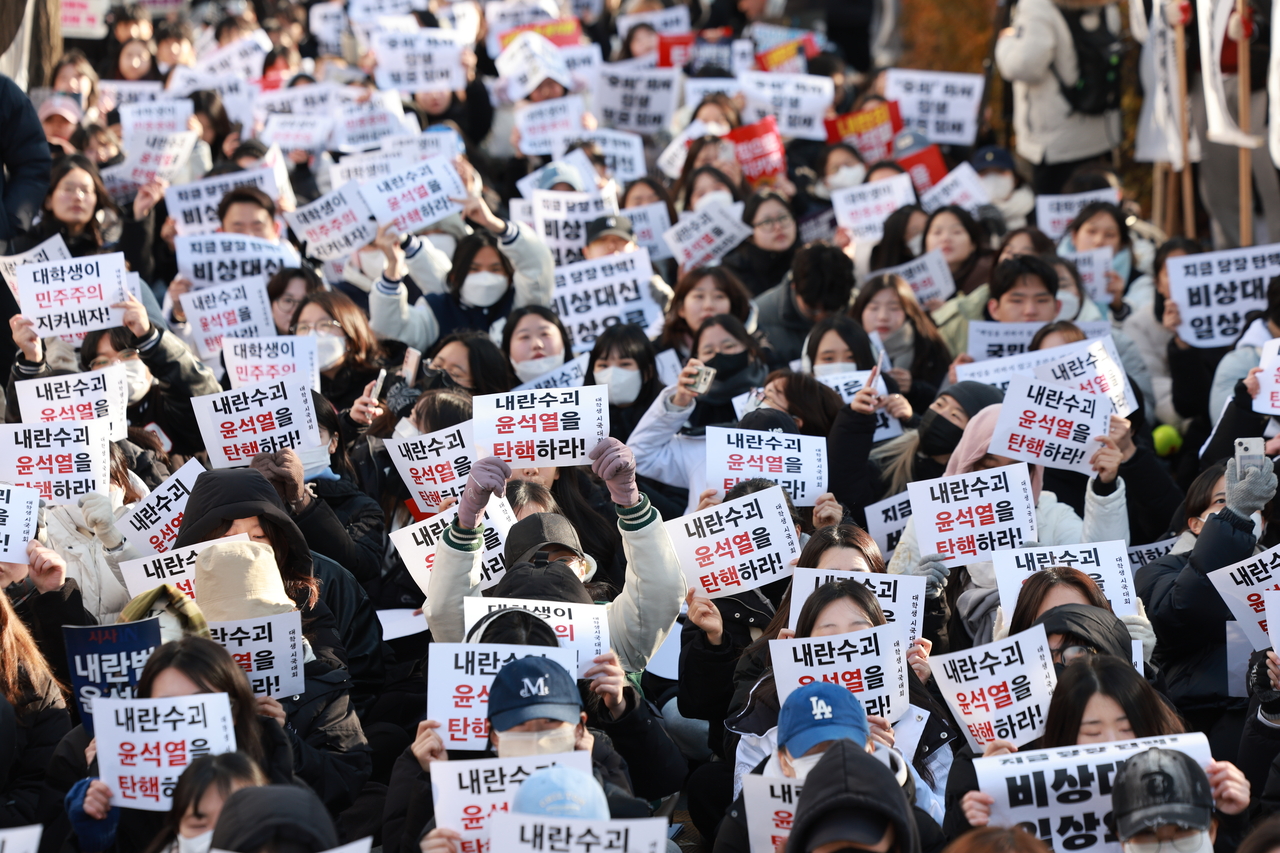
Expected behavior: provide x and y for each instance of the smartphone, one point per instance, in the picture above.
(377, 386)
(1250, 453)
(875, 374)
(409, 368)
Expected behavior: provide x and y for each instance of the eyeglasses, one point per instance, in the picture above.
(458, 373)
(288, 302)
(1185, 844)
(77, 192)
(781, 219)
(1068, 655)
(120, 357)
(332, 328)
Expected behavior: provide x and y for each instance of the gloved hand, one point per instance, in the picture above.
(1261, 685)
(101, 518)
(934, 572)
(284, 470)
(488, 477)
(1140, 629)
(613, 462)
(1250, 493)
(94, 834)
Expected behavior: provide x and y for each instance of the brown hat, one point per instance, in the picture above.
(240, 580)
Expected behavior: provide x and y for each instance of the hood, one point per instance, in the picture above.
(1101, 628)
(253, 819)
(973, 446)
(550, 582)
(848, 778)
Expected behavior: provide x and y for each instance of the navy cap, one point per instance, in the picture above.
(606, 226)
(819, 712)
(533, 688)
(992, 157)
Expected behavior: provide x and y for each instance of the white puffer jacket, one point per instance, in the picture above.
(88, 563)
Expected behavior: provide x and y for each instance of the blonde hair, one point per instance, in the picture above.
(896, 459)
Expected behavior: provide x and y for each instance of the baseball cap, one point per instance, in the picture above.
(561, 792)
(992, 157)
(533, 688)
(1159, 787)
(610, 226)
(821, 712)
(538, 532)
(856, 825)
(61, 105)
(765, 419)
(559, 173)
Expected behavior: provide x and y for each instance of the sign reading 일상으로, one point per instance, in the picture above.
(871, 664)
(107, 660)
(550, 428)
(153, 524)
(1107, 563)
(584, 628)
(968, 517)
(901, 597)
(238, 425)
(268, 648)
(1051, 425)
(416, 543)
(592, 295)
(434, 466)
(797, 463)
(61, 460)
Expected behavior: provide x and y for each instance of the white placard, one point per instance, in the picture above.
(360, 124)
(649, 222)
(256, 359)
(1107, 563)
(194, 205)
(116, 93)
(416, 197)
(268, 648)
(427, 60)
(401, 622)
(153, 524)
(577, 160)
(961, 187)
(797, 463)
(326, 21)
(592, 295)
(737, 545)
(1051, 425)
(417, 543)
(941, 105)
(25, 839)
(19, 512)
(334, 225)
(436, 141)
(239, 309)
(85, 19)
(672, 21)
(297, 132)
(849, 384)
(968, 517)
(550, 428)
(671, 160)
(236, 92)
(770, 804)
(78, 397)
(705, 236)
(1267, 400)
(797, 101)
(886, 520)
(623, 151)
(529, 59)
(62, 460)
(583, 628)
(1215, 290)
(544, 124)
(1241, 586)
(1000, 690)
(238, 425)
(901, 597)
(561, 218)
(993, 339)
(864, 208)
(1055, 212)
(871, 664)
(1141, 555)
(154, 157)
(998, 371)
(1093, 366)
(697, 88)
(522, 832)
(242, 58)
(53, 249)
(73, 295)
(169, 115)
(1093, 268)
(570, 375)
(434, 466)
(369, 166)
(459, 677)
(315, 101)
(638, 99)
(372, 10)
(929, 276)
(175, 566)
(209, 259)
(144, 744)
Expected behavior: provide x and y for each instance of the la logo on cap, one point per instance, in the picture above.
(534, 688)
(821, 710)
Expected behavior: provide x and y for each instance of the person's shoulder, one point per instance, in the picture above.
(771, 298)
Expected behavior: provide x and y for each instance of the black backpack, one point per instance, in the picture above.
(1098, 52)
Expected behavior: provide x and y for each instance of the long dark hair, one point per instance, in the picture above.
(977, 236)
(277, 284)
(627, 340)
(851, 332)
(811, 403)
(514, 318)
(931, 351)
(327, 419)
(892, 249)
(490, 370)
(208, 771)
(675, 330)
(1200, 493)
(733, 326)
(599, 536)
(686, 189)
(1149, 715)
(466, 251)
(663, 194)
(63, 167)
(1038, 586)
(1092, 209)
(364, 352)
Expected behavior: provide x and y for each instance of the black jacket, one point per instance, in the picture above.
(24, 154)
(759, 269)
(655, 764)
(29, 733)
(347, 526)
(330, 752)
(44, 614)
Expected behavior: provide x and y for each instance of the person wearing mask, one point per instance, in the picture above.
(1152, 337)
(706, 186)
(1101, 225)
(535, 342)
(999, 176)
(348, 353)
(1192, 811)
(202, 790)
(764, 259)
(838, 167)
(963, 243)
(469, 360)
(624, 359)
(287, 289)
(612, 235)
(919, 356)
(820, 283)
(699, 295)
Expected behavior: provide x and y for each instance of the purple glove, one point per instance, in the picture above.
(613, 462)
(488, 477)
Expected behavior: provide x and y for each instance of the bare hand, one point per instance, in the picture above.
(365, 408)
(1122, 434)
(1171, 320)
(704, 613)
(149, 194)
(25, 336)
(48, 570)
(880, 731)
(684, 395)
(865, 400)
(897, 407)
(609, 682)
(962, 358)
(97, 800)
(827, 511)
(977, 807)
(1230, 787)
(135, 316)
(918, 658)
(1251, 382)
(1115, 287)
(902, 376)
(998, 747)
(1106, 462)
(268, 707)
(475, 209)
(177, 287)
(441, 840)
(707, 498)
(427, 746)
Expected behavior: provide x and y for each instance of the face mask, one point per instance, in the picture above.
(371, 262)
(483, 289)
(138, 378)
(938, 435)
(527, 371)
(998, 187)
(847, 176)
(834, 367)
(330, 350)
(916, 244)
(1198, 843)
(406, 429)
(314, 460)
(200, 844)
(521, 744)
(1070, 305)
(624, 384)
(714, 198)
(446, 243)
(804, 764)
(728, 365)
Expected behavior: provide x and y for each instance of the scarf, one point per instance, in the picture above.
(900, 346)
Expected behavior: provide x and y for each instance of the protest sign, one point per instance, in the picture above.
(648, 222)
(562, 32)
(961, 187)
(297, 132)
(997, 371)
(85, 19)
(705, 236)
(672, 21)
(26, 839)
(194, 205)
(583, 63)
(107, 661)
(426, 60)
(592, 295)
(459, 676)
(252, 360)
(790, 57)
(415, 197)
(334, 225)
(53, 249)
(993, 339)
(551, 428)
(61, 460)
(540, 125)
(758, 149)
(941, 105)
(871, 664)
(152, 157)
(361, 11)
(468, 794)
(796, 101)
(78, 397)
(886, 520)
(19, 511)
(577, 160)
(175, 566)
(524, 832)
(560, 219)
(1063, 795)
(237, 425)
(864, 208)
(671, 160)
(268, 648)
(1215, 290)
(870, 131)
(694, 51)
(1095, 367)
(152, 525)
(849, 384)
(239, 309)
(438, 140)
(416, 544)
(209, 259)
(901, 597)
(169, 115)
(929, 276)
(1267, 400)
(1241, 586)
(366, 167)
(583, 628)
(144, 744)
(999, 690)
(994, 509)
(797, 463)
(236, 92)
(360, 124)
(737, 545)
(623, 151)
(528, 60)
(434, 466)
(326, 22)
(1051, 425)
(241, 58)
(1055, 212)
(569, 375)
(116, 93)
(770, 806)
(1107, 563)
(697, 88)
(1093, 268)
(1141, 555)
(638, 99)
(73, 295)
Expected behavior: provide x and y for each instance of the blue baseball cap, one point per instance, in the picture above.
(992, 157)
(561, 792)
(816, 713)
(533, 688)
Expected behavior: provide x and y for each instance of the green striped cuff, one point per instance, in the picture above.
(464, 538)
(635, 517)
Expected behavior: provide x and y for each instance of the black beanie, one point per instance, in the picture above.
(973, 397)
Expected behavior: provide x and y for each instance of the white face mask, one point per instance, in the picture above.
(999, 186)
(1203, 845)
(406, 429)
(330, 349)
(713, 198)
(834, 367)
(139, 380)
(804, 764)
(1070, 305)
(1256, 518)
(916, 244)
(314, 460)
(527, 371)
(483, 289)
(847, 176)
(371, 262)
(200, 844)
(551, 742)
(624, 384)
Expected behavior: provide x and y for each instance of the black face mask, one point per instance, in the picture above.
(729, 365)
(938, 435)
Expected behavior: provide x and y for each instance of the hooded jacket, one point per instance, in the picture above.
(29, 734)
(347, 526)
(1099, 627)
(252, 819)
(225, 495)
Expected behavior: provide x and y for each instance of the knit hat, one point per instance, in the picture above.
(240, 580)
(973, 397)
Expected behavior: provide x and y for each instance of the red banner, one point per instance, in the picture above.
(926, 167)
(705, 47)
(758, 148)
(562, 32)
(870, 131)
(790, 57)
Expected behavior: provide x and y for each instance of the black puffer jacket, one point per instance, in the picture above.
(29, 733)
(330, 752)
(347, 526)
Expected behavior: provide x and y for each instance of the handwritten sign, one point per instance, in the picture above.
(737, 545)
(968, 517)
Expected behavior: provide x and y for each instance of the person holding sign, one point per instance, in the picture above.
(623, 358)
(1102, 225)
(348, 353)
(919, 356)
(45, 599)
(699, 295)
(963, 243)
(1056, 586)
(763, 261)
(821, 284)
(202, 791)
